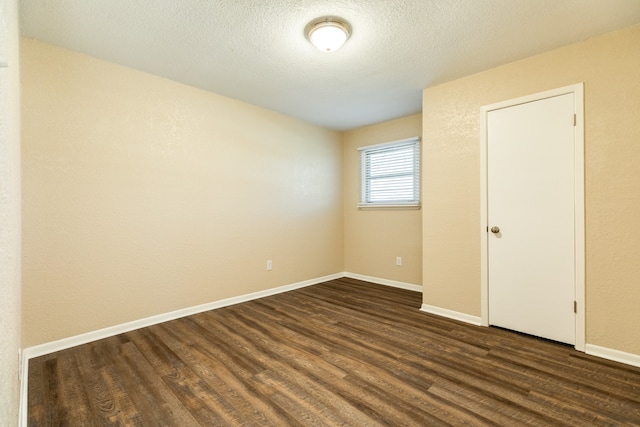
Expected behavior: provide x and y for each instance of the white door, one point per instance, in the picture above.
(530, 199)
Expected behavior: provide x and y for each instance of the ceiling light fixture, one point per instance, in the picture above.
(328, 33)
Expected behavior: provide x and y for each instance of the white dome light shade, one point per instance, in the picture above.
(328, 34)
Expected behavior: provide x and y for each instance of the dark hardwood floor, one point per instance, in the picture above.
(343, 352)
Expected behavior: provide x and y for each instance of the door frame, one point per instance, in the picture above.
(579, 207)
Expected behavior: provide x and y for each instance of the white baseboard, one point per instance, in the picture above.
(594, 350)
(386, 282)
(615, 355)
(24, 391)
(42, 349)
(455, 315)
(65, 343)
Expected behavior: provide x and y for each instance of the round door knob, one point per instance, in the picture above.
(495, 229)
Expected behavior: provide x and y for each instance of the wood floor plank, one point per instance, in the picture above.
(193, 393)
(344, 352)
(581, 391)
(230, 400)
(207, 346)
(314, 368)
(94, 372)
(73, 397)
(154, 404)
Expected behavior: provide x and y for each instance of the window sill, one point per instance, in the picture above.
(390, 206)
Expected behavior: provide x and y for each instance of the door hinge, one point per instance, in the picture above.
(575, 306)
(575, 119)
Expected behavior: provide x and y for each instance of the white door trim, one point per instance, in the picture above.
(579, 212)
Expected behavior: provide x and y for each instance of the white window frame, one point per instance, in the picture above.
(366, 201)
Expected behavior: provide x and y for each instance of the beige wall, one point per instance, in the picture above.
(10, 317)
(143, 196)
(375, 237)
(609, 66)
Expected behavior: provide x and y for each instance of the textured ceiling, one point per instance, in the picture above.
(255, 50)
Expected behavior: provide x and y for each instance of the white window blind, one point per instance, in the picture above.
(390, 174)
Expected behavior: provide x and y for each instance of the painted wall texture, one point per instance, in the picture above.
(143, 196)
(10, 306)
(609, 66)
(373, 238)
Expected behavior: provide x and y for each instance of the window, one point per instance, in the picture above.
(390, 174)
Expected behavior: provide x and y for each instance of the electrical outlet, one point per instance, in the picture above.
(398, 260)
(269, 265)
